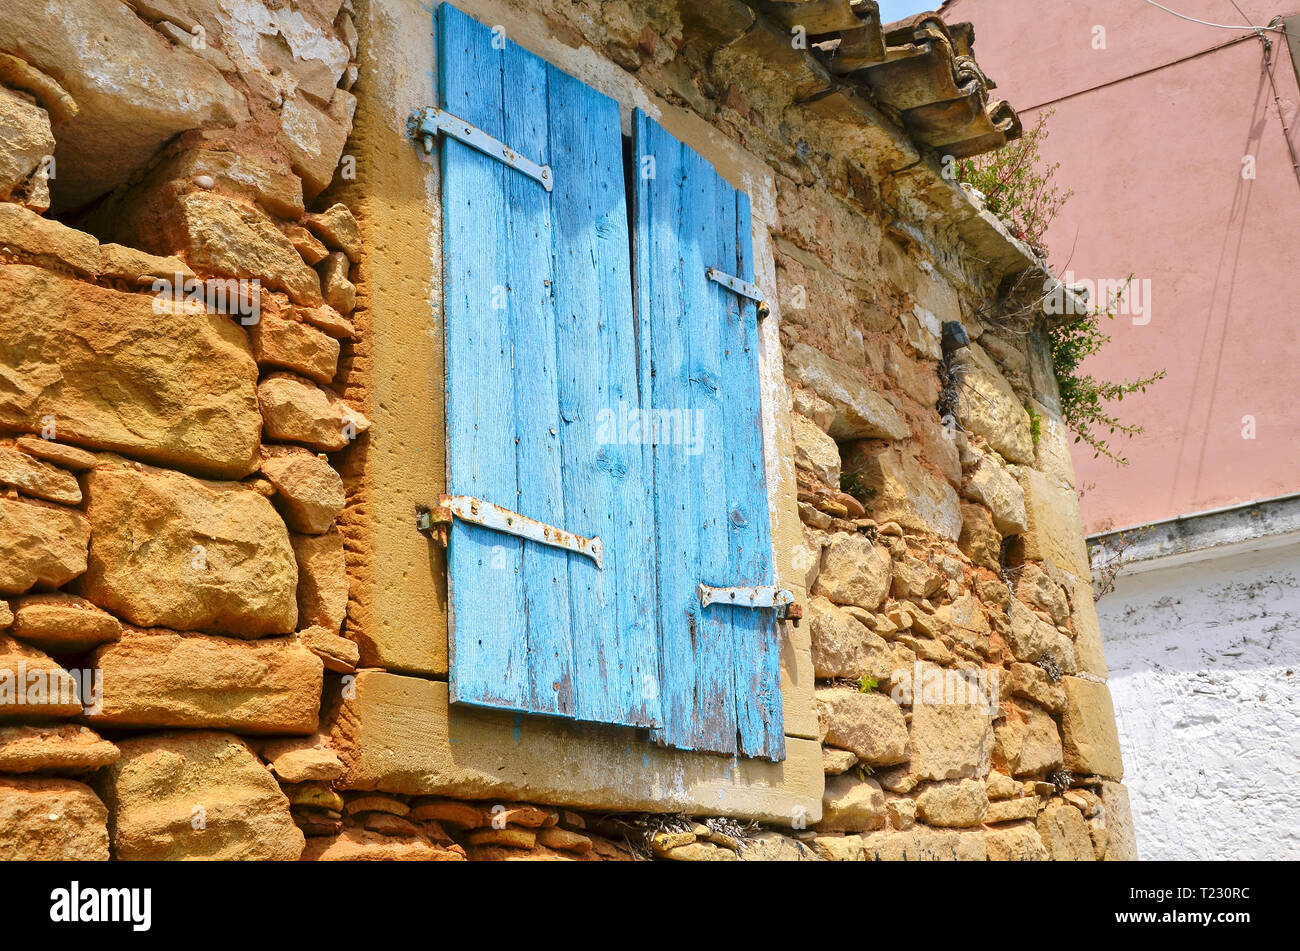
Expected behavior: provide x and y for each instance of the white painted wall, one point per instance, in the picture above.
(1205, 672)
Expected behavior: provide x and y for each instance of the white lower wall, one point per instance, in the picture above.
(1205, 672)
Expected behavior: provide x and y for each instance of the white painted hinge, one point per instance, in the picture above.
(742, 288)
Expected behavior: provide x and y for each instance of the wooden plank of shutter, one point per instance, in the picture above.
(540, 339)
(721, 687)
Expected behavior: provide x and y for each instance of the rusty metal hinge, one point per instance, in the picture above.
(469, 509)
(761, 596)
(743, 288)
(425, 124)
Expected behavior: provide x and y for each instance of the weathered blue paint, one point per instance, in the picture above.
(541, 352)
(699, 362)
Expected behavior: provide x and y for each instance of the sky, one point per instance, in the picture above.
(891, 10)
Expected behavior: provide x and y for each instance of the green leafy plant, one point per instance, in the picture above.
(1018, 185)
(1035, 422)
(867, 683)
(1086, 400)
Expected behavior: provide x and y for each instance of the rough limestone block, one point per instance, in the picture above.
(136, 89)
(860, 412)
(815, 451)
(196, 796)
(996, 488)
(47, 242)
(1016, 843)
(854, 571)
(25, 140)
(49, 820)
(294, 346)
(1088, 725)
(987, 406)
(1028, 636)
(956, 805)
(110, 373)
(1088, 650)
(980, 540)
(63, 623)
(1028, 742)
(295, 410)
(950, 741)
(322, 581)
(66, 748)
(34, 685)
(852, 805)
(120, 263)
(921, 844)
(218, 557)
(309, 492)
(869, 725)
(902, 490)
(221, 236)
(40, 545)
(1065, 834)
(315, 137)
(165, 679)
(842, 647)
(1119, 823)
(1055, 527)
(338, 229)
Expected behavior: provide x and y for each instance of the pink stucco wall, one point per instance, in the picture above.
(1151, 136)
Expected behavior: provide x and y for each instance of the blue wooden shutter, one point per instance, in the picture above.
(541, 356)
(721, 689)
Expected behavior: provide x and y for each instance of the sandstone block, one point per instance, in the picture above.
(987, 406)
(338, 229)
(1055, 532)
(860, 412)
(1029, 636)
(1028, 741)
(25, 140)
(869, 725)
(953, 805)
(294, 410)
(304, 760)
(1065, 834)
(47, 242)
(1016, 843)
(68, 457)
(32, 685)
(322, 581)
(163, 782)
(980, 540)
(994, 487)
(1032, 683)
(854, 571)
(218, 557)
(40, 545)
(904, 491)
(1122, 846)
(337, 653)
(1088, 725)
(852, 805)
(815, 451)
(950, 741)
(121, 263)
(165, 679)
(51, 820)
(220, 236)
(308, 489)
(1012, 810)
(65, 748)
(340, 293)
(360, 845)
(63, 623)
(922, 844)
(178, 391)
(315, 137)
(296, 346)
(842, 647)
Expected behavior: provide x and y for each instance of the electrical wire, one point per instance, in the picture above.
(1219, 26)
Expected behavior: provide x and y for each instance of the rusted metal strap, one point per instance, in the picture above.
(761, 596)
(424, 124)
(736, 285)
(498, 519)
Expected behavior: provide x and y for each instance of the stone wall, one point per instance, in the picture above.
(194, 490)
